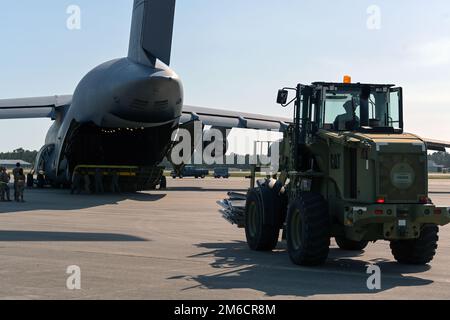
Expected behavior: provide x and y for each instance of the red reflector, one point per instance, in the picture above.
(379, 212)
(423, 200)
(381, 200)
(437, 211)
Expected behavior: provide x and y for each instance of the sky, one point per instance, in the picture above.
(235, 55)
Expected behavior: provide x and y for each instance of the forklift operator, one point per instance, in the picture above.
(348, 120)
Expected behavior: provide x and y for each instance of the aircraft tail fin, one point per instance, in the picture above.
(151, 31)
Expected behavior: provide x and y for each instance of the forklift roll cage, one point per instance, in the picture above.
(310, 105)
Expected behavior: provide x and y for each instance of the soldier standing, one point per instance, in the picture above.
(76, 182)
(20, 185)
(87, 182)
(7, 189)
(99, 181)
(4, 187)
(16, 172)
(40, 180)
(115, 186)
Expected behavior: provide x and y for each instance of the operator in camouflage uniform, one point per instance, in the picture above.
(348, 120)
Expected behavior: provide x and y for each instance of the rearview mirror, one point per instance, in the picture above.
(282, 96)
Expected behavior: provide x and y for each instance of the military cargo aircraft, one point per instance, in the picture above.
(123, 112)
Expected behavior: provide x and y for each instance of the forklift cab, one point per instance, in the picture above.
(359, 107)
(339, 107)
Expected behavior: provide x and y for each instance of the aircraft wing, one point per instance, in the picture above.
(38, 107)
(437, 145)
(233, 119)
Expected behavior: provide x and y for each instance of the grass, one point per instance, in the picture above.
(437, 176)
(243, 174)
(233, 174)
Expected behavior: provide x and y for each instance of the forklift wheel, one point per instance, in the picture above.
(308, 230)
(420, 251)
(262, 219)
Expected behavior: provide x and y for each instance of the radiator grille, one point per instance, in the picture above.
(402, 177)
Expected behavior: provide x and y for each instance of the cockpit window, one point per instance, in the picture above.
(347, 109)
(341, 110)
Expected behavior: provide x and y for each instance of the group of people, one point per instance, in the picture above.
(19, 184)
(81, 181)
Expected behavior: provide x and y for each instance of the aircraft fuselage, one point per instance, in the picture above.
(122, 113)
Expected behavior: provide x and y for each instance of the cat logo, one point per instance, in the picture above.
(335, 161)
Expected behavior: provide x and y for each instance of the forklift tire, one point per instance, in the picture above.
(419, 251)
(262, 219)
(308, 230)
(163, 183)
(350, 245)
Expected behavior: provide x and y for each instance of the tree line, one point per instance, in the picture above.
(440, 158)
(20, 154)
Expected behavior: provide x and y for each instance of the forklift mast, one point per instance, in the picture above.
(302, 124)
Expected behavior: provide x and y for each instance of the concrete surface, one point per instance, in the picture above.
(175, 245)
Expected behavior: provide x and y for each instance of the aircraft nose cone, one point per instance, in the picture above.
(157, 99)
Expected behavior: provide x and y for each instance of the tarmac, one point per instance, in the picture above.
(174, 244)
